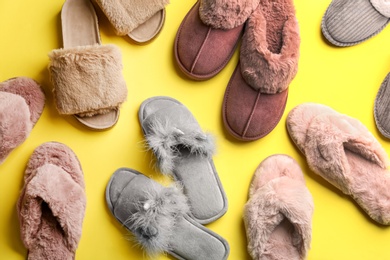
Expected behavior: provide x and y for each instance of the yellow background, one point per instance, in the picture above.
(346, 79)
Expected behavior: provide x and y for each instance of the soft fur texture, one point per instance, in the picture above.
(167, 141)
(21, 104)
(87, 80)
(155, 218)
(382, 6)
(226, 14)
(342, 150)
(52, 203)
(278, 213)
(270, 47)
(126, 15)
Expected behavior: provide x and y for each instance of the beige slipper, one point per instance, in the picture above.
(87, 76)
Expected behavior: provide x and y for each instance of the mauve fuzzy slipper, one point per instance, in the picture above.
(21, 104)
(209, 35)
(340, 149)
(278, 214)
(52, 203)
(256, 95)
(157, 217)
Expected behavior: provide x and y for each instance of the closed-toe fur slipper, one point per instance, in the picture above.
(157, 217)
(140, 20)
(184, 151)
(347, 23)
(21, 104)
(52, 203)
(381, 108)
(278, 214)
(209, 34)
(87, 76)
(256, 95)
(342, 151)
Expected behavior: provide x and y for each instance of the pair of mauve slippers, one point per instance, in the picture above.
(256, 94)
(169, 219)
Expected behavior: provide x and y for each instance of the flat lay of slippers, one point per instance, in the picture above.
(150, 173)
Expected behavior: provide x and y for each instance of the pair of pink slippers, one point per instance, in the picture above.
(256, 95)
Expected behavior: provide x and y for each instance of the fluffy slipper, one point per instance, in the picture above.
(157, 217)
(381, 112)
(21, 104)
(184, 151)
(87, 77)
(342, 150)
(279, 211)
(347, 23)
(256, 95)
(52, 202)
(209, 34)
(140, 20)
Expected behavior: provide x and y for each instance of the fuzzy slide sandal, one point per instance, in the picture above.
(381, 108)
(21, 104)
(87, 76)
(209, 35)
(157, 217)
(347, 23)
(140, 20)
(278, 214)
(52, 203)
(256, 95)
(184, 151)
(342, 151)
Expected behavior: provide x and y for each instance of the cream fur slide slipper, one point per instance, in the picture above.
(185, 152)
(52, 203)
(256, 96)
(347, 23)
(87, 76)
(278, 214)
(21, 104)
(342, 150)
(140, 20)
(157, 217)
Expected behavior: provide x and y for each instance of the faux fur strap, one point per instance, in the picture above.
(226, 14)
(382, 6)
(168, 140)
(66, 200)
(268, 207)
(87, 79)
(126, 15)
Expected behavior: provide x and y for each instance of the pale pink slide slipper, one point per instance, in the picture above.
(342, 150)
(21, 104)
(278, 214)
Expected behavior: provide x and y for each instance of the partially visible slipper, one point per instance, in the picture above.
(87, 76)
(347, 23)
(52, 203)
(21, 104)
(257, 92)
(185, 152)
(209, 35)
(157, 217)
(341, 149)
(278, 214)
(381, 108)
(140, 20)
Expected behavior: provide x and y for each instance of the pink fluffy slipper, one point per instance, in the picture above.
(52, 202)
(342, 151)
(279, 211)
(21, 105)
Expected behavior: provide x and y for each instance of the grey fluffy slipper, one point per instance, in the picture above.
(157, 217)
(347, 23)
(184, 151)
(87, 76)
(381, 108)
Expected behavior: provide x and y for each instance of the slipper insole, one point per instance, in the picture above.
(149, 29)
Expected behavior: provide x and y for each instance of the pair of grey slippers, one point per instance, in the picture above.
(169, 219)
